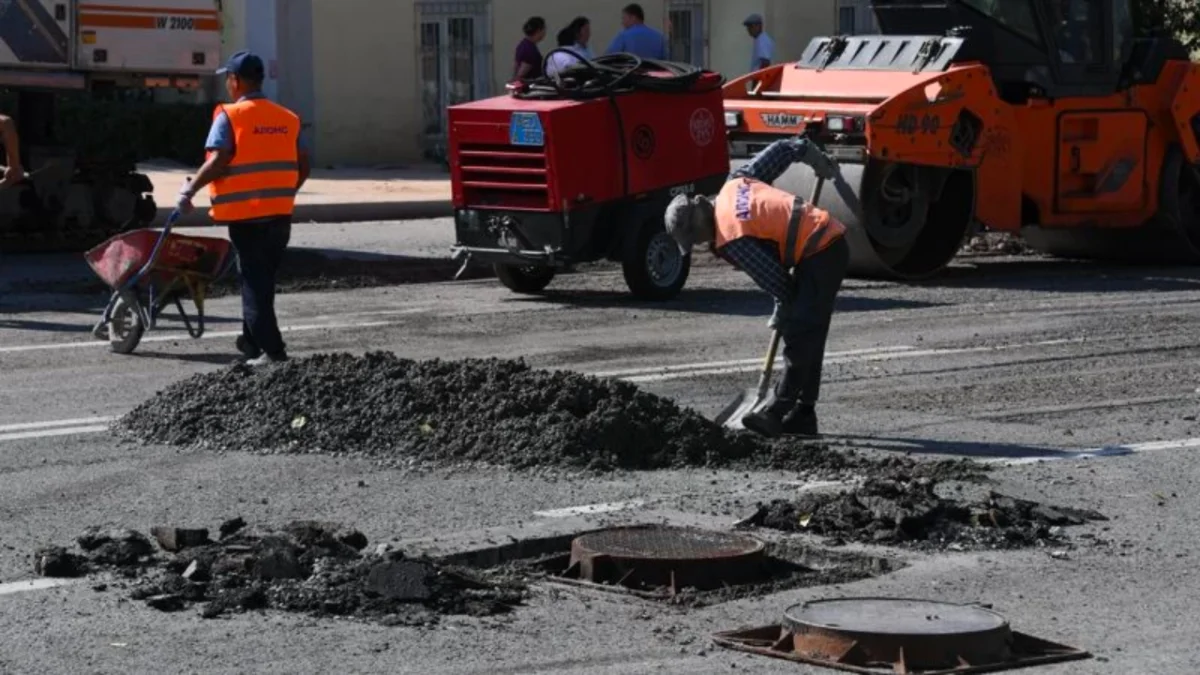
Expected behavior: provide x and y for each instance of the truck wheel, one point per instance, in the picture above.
(654, 267)
(125, 329)
(527, 279)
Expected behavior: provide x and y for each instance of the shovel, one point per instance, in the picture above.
(749, 400)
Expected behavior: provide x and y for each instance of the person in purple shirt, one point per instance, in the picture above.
(528, 62)
(638, 38)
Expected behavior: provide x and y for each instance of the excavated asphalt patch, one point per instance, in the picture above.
(401, 412)
(306, 566)
(912, 514)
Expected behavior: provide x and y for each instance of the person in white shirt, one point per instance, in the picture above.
(764, 46)
(564, 55)
(572, 43)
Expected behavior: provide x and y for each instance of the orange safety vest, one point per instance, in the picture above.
(261, 180)
(751, 208)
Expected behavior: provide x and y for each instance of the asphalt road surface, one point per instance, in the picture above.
(1080, 380)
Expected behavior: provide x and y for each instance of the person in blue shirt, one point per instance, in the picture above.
(638, 38)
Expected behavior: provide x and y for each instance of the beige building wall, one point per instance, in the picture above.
(730, 46)
(365, 99)
(363, 66)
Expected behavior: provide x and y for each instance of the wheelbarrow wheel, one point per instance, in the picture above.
(125, 328)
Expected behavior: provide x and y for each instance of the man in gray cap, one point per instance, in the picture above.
(764, 46)
(765, 232)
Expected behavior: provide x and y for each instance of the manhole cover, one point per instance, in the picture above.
(897, 635)
(668, 557)
(917, 633)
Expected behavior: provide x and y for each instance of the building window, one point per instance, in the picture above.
(685, 29)
(454, 61)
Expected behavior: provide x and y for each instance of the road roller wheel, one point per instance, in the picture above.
(914, 220)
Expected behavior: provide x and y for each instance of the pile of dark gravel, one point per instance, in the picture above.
(910, 512)
(305, 566)
(420, 413)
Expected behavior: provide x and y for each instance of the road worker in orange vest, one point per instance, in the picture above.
(767, 232)
(257, 162)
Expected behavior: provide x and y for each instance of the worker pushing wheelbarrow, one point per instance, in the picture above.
(150, 270)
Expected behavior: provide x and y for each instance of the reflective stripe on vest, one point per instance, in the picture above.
(751, 208)
(261, 180)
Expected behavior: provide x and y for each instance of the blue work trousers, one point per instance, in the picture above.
(260, 246)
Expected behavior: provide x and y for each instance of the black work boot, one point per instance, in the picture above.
(248, 350)
(801, 422)
(765, 422)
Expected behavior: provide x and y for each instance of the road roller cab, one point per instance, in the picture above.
(1046, 118)
(551, 176)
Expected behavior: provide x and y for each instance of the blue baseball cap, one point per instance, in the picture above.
(244, 64)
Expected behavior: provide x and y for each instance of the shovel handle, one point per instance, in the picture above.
(764, 380)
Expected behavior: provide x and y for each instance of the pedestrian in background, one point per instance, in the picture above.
(13, 172)
(581, 29)
(637, 38)
(565, 55)
(528, 58)
(256, 164)
(764, 47)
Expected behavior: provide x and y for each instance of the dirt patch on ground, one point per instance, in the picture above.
(996, 243)
(911, 513)
(433, 413)
(307, 270)
(306, 566)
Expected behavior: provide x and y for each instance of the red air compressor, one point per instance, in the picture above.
(579, 167)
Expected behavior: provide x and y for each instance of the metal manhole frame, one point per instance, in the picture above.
(779, 641)
(673, 574)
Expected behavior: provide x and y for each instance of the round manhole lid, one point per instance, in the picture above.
(895, 616)
(667, 543)
(654, 556)
(913, 633)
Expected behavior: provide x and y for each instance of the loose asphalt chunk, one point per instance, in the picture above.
(911, 513)
(401, 412)
(306, 566)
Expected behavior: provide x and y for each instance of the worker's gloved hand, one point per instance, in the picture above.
(781, 315)
(184, 203)
(822, 164)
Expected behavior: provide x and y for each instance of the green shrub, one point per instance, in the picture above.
(136, 129)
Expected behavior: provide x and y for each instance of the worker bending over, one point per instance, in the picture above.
(766, 232)
(256, 164)
(13, 172)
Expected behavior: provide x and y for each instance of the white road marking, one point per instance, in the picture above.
(888, 354)
(590, 509)
(79, 421)
(1106, 451)
(183, 336)
(48, 433)
(739, 362)
(40, 584)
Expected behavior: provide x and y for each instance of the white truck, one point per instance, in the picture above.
(106, 47)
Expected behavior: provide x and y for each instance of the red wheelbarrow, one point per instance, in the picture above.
(149, 270)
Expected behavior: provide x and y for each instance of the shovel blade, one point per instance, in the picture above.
(743, 404)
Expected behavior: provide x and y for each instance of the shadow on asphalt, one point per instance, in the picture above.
(1063, 276)
(225, 359)
(972, 449)
(710, 301)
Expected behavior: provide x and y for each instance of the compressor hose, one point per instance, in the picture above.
(610, 76)
(614, 74)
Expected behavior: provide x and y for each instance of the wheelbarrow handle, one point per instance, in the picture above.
(162, 238)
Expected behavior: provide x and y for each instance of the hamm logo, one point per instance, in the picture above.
(270, 130)
(779, 120)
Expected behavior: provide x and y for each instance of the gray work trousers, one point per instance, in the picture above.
(818, 279)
